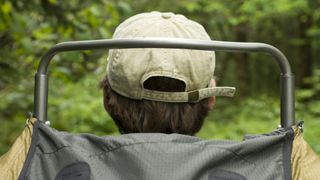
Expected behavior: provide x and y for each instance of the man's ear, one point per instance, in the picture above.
(211, 102)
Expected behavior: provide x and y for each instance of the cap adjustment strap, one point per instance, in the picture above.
(191, 96)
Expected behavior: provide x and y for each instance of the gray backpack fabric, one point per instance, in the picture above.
(63, 156)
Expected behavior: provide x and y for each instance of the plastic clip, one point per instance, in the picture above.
(300, 126)
(30, 116)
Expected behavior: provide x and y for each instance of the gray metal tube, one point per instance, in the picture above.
(178, 43)
(41, 96)
(287, 85)
(287, 100)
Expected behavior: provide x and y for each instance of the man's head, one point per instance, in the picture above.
(160, 90)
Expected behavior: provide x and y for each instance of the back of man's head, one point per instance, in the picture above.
(160, 90)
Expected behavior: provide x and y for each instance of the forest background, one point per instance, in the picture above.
(28, 28)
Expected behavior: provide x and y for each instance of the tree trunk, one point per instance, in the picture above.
(242, 62)
(304, 65)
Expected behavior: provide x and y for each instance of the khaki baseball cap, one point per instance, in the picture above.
(128, 69)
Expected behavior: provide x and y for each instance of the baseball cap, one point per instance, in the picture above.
(128, 69)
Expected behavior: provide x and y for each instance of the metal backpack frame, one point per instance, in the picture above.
(286, 76)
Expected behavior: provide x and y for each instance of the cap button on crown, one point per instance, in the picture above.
(166, 15)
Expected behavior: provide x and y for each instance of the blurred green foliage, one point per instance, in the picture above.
(29, 28)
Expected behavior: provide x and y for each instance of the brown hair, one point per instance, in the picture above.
(136, 116)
